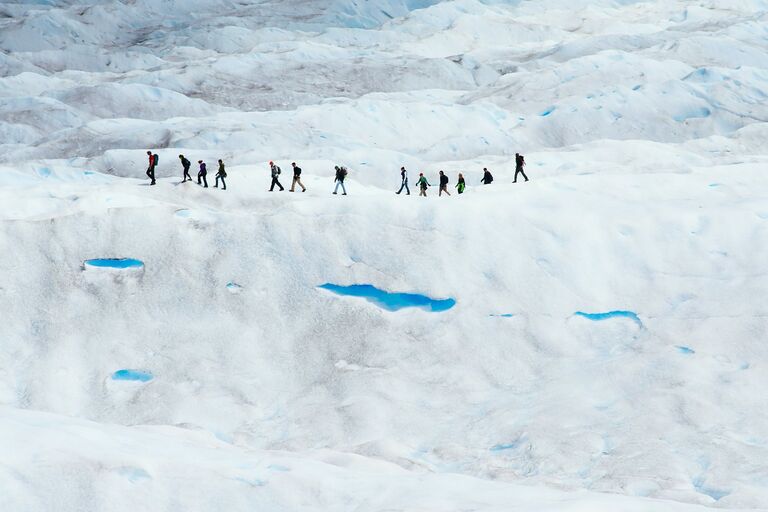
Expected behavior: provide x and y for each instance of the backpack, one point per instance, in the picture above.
(156, 159)
(278, 169)
(344, 171)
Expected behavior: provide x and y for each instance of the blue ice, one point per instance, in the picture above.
(505, 446)
(695, 113)
(598, 317)
(234, 287)
(715, 494)
(115, 263)
(547, 112)
(391, 301)
(135, 375)
(503, 315)
(684, 350)
(183, 213)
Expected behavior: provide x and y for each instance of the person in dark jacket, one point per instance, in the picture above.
(404, 182)
(202, 174)
(519, 164)
(422, 184)
(487, 177)
(461, 184)
(151, 169)
(186, 165)
(297, 178)
(341, 173)
(221, 174)
(275, 172)
(443, 184)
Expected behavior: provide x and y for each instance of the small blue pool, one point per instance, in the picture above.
(114, 263)
(134, 375)
(391, 301)
(598, 317)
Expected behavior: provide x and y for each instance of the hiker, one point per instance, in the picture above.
(422, 184)
(297, 178)
(443, 184)
(275, 170)
(185, 164)
(341, 173)
(202, 174)
(519, 164)
(221, 174)
(487, 177)
(404, 182)
(461, 185)
(153, 159)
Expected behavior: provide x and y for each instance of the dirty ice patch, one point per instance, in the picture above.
(502, 315)
(608, 315)
(132, 375)
(118, 263)
(391, 301)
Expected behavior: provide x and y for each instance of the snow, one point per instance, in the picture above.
(601, 345)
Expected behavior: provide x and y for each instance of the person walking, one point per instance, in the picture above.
(341, 173)
(443, 184)
(221, 174)
(422, 184)
(153, 159)
(461, 185)
(185, 164)
(404, 182)
(297, 178)
(275, 171)
(202, 174)
(487, 177)
(519, 164)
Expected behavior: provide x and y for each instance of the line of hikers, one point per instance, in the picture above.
(341, 174)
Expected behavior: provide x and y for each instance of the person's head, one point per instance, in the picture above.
(517, 154)
(149, 152)
(441, 173)
(199, 161)
(421, 174)
(336, 167)
(293, 164)
(461, 175)
(271, 162)
(220, 161)
(181, 157)
(485, 169)
(402, 168)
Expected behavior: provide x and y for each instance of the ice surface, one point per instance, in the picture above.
(278, 396)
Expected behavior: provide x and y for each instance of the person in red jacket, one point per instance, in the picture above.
(153, 159)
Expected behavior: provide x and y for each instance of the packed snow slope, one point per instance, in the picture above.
(181, 348)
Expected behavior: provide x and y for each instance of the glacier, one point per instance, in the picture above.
(604, 347)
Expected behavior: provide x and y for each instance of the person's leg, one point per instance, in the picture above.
(523, 173)
(407, 190)
(279, 184)
(445, 189)
(293, 184)
(205, 180)
(303, 188)
(343, 188)
(216, 185)
(272, 187)
(336, 188)
(223, 184)
(152, 176)
(402, 186)
(199, 177)
(149, 172)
